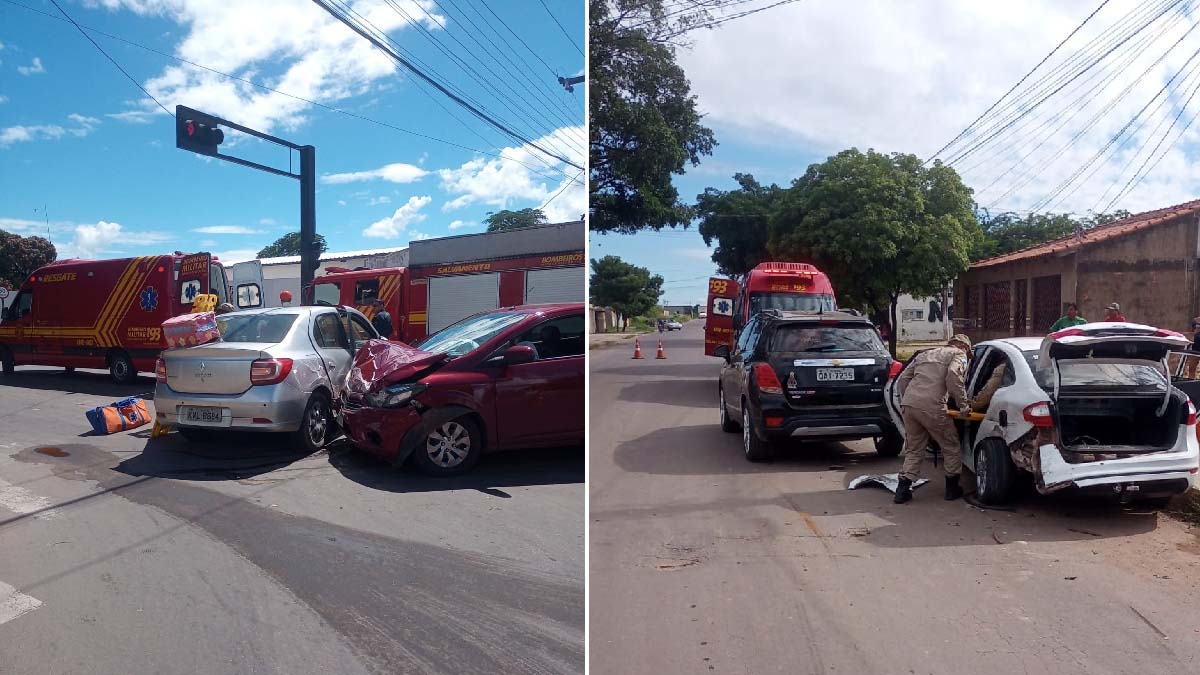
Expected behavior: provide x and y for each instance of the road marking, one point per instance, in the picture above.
(21, 501)
(13, 603)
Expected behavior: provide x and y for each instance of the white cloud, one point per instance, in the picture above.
(35, 68)
(908, 77)
(419, 236)
(394, 173)
(226, 229)
(505, 183)
(404, 216)
(460, 224)
(22, 134)
(91, 240)
(703, 254)
(208, 243)
(236, 255)
(267, 221)
(135, 116)
(3, 99)
(21, 225)
(382, 199)
(316, 56)
(341, 202)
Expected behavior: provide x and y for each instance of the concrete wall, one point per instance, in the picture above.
(919, 320)
(1152, 274)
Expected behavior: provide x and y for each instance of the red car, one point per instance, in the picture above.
(508, 378)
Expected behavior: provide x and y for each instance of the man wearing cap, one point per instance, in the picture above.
(1113, 313)
(925, 385)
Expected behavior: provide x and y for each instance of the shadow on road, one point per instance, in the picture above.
(518, 468)
(706, 450)
(231, 456)
(655, 368)
(79, 382)
(676, 392)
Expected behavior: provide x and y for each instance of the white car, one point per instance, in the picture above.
(674, 325)
(1090, 406)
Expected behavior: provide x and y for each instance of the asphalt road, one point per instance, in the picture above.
(703, 562)
(121, 554)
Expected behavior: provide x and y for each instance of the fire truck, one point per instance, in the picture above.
(790, 287)
(104, 313)
(360, 288)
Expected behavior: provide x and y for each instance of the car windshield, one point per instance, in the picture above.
(327, 293)
(790, 302)
(256, 327)
(466, 335)
(1097, 374)
(815, 338)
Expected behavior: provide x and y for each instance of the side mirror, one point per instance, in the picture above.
(722, 351)
(518, 354)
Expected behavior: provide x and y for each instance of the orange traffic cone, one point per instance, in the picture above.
(661, 353)
(637, 348)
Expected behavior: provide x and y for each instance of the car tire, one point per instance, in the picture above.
(756, 449)
(889, 444)
(70, 370)
(315, 424)
(451, 448)
(120, 368)
(994, 472)
(6, 362)
(727, 423)
(194, 435)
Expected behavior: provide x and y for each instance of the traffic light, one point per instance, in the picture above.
(197, 134)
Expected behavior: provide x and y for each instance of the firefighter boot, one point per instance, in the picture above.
(903, 491)
(953, 488)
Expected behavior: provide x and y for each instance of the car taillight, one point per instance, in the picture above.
(1038, 414)
(269, 371)
(1067, 332)
(768, 382)
(1191, 418)
(895, 369)
(1163, 332)
(160, 370)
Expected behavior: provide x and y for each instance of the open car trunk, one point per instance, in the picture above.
(1117, 423)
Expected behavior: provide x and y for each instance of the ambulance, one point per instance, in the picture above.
(786, 286)
(104, 313)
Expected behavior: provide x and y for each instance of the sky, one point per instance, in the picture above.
(84, 148)
(790, 86)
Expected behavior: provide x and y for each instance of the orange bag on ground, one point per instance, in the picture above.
(122, 415)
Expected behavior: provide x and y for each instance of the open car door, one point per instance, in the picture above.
(718, 326)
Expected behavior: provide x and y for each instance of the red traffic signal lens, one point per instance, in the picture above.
(191, 128)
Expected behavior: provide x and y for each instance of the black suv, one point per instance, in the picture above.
(807, 376)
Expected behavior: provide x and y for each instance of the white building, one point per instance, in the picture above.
(923, 320)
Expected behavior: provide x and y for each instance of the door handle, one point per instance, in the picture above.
(1003, 418)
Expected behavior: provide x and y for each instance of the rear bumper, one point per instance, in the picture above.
(849, 424)
(1180, 463)
(282, 406)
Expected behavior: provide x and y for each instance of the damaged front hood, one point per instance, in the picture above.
(379, 363)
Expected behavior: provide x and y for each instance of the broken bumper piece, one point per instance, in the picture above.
(890, 481)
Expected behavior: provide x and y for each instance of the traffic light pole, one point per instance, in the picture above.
(189, 122)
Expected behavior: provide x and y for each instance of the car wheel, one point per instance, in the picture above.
(194, 435)
(727, 424)
(889, 444)
(994, 471)
(755, 448)
(451, 448)
(120, 368)
(315, 424)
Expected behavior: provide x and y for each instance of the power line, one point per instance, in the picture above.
(324, 106)
(561, 190)
(110, 58)
(560, 27)
(474, 110)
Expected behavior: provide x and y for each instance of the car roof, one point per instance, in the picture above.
(300, 309)
(1024, 344)
(799, 317)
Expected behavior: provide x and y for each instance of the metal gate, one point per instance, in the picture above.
(1021, 313)
(1047, 303)
(997, 302)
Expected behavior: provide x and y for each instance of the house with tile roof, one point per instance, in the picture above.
(1146, 262)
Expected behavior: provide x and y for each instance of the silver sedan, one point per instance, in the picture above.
(276, 369)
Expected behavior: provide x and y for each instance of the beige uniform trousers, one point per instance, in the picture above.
(919, 426)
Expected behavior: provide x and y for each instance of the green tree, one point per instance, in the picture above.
(738, 221)
(511, 220)
(879, 225)
(289, 244)
(20, 256)
(644, 126)
(1007, 232)
(629, 289)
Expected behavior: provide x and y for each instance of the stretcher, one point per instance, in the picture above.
(971, 417)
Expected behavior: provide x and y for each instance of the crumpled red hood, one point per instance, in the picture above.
(379, 363)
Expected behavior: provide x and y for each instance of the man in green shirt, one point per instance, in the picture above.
(1071, 319)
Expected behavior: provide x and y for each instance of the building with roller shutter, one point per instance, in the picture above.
(1146, 262)
(452, 278)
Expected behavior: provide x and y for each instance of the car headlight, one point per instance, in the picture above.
(395, 395)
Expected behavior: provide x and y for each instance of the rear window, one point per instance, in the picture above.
(815, 338)
(269, 328)
(1096, 374)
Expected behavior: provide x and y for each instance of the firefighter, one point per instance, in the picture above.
(924, 387)
(382, 320)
